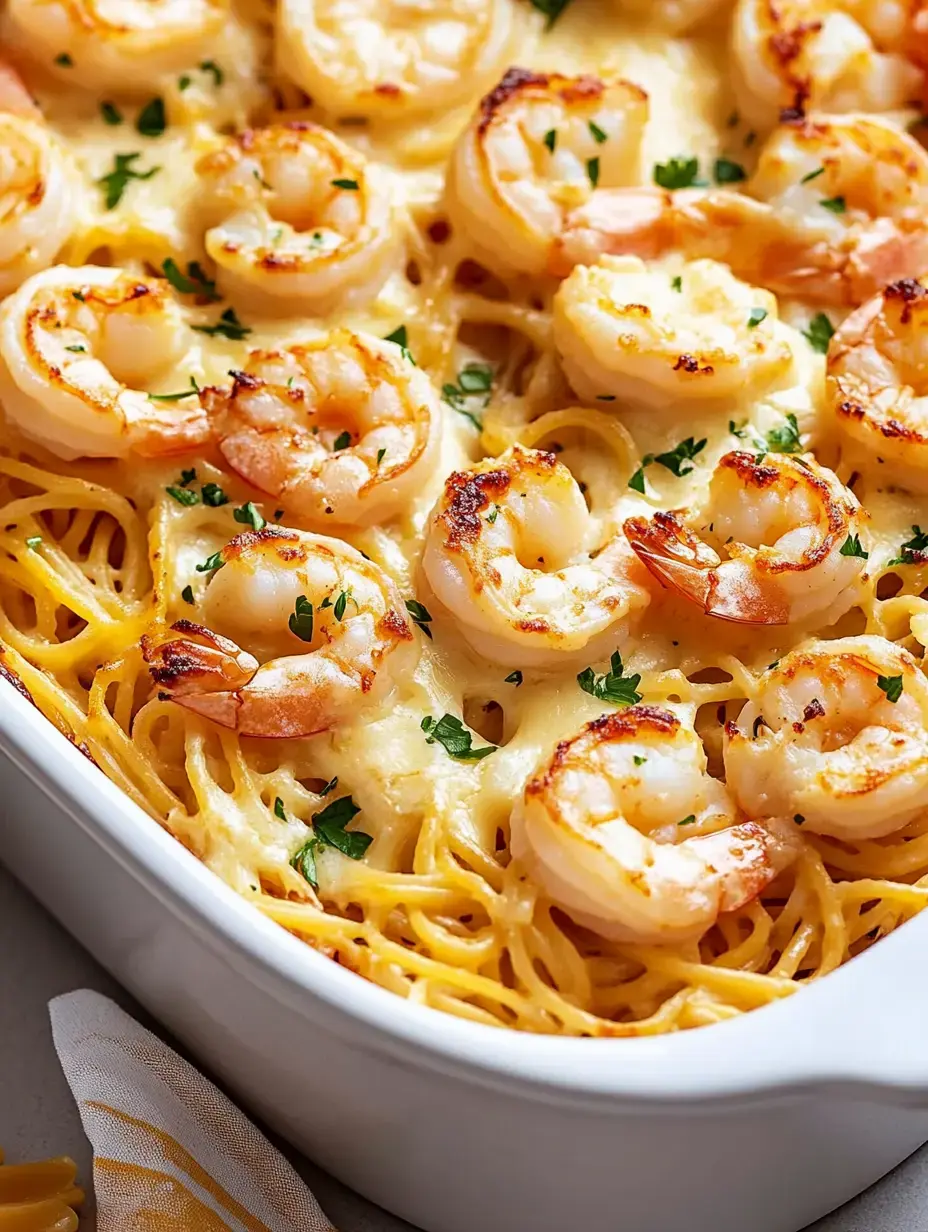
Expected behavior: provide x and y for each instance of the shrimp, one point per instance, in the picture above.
(125, 45)
(388, 59)
(792, 543)
(344, 429)
(835, 737)
(835, 209)
(38, 198)
(533, 151)
(833, 55)
(74, 345)
(324, 636)
(623, 331)
(510, 552)
(877, 382)
(301, 219)
(605, 828)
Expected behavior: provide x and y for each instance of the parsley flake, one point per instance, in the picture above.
(183, 496)
(401, 338)
(187, 595)
(301, 619)
(677, 173)
(819, 333)
(454, 738)
(837, 205)
(514, 678)
(116, 182)
(213, 495)
(813, 175)
(915, 550)
(279, 810)
(785, 439)
(152, 121)
(342, 441)
(552, 9)
(675, 458)
(687, 821)
(194, 282)
(249, 515)
(210, 66)
(228, 326)
(33, 542)
(755, 316)
(421, 616)
(852, 547)
(597, 133)
(592, 170)
(891, 686)
(636, 483)
(212, 563)
(613, 686)
(550, 139)
(676, 283)
(381, 454)
(186, 393)
(348, 185)
(111, 114)
(64, 60)
(728, 172)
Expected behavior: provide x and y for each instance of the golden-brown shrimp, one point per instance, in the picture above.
(833, 55)
(607, 828)
(510, 552)
(836, 208)
(787, 543)
(837, 738)
(624, 331)
(320, 633)
(126, 45)
(388, 59)
(878, 383)
(75, 345)
(533, 152)
(343, 429)
(298, 219)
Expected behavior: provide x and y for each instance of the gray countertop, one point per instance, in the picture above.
(38, 960)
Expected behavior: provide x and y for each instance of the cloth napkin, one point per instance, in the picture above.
(171, 1152)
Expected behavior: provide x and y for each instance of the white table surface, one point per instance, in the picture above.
(38, 960)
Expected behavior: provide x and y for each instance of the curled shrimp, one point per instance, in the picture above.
(125, 45)
(786, 543)
(301, 219)
(38, 198)
(388, 59)
(877, 382)
(75, 344)
(837, 208)
(511, 552)
(833, 55)
(624, 331)
(344, 429)
(525, 160)
(835, 737)
(606, 827)
(320, 633)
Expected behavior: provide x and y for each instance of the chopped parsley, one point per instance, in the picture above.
(677, 173)
(552, 9)
(228, 326)
(592, 170)
(852, 547)
(891, 686)
(342, 441)
(212, 563)
(183, 496)
(454, 738)
(187, 594)
(550, 139)
(329, 830)
(755, 316)
(348, 185)
(474, 380)
(77, 348)
(381, 454)
(248, 515)
(213, 495)
(915, 550)
(64, 60)
(813, 175)
(837, 205)
(636, 483)
(819, 333)
(597, 133)
(330, 786)
(301, 619)
(116, 182)
(111, 113)
(493, 515)
(638, 759)
(341, 603)
(279, 810)
(676, 283)
(194, 282)
(785, 439)
(152, 121)
(613, 686)
(675, 458)
(33, 542)
(188, 476)
(401, 338)
(421, 616)
(728, 172)
(514, 678)
(186, 393)
(210, 66)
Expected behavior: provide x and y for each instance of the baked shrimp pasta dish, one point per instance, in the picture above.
(464, 469)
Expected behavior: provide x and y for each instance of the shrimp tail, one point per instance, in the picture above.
(186, 668)
(682, 562)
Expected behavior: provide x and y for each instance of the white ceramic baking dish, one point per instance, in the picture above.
(759, 1124)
